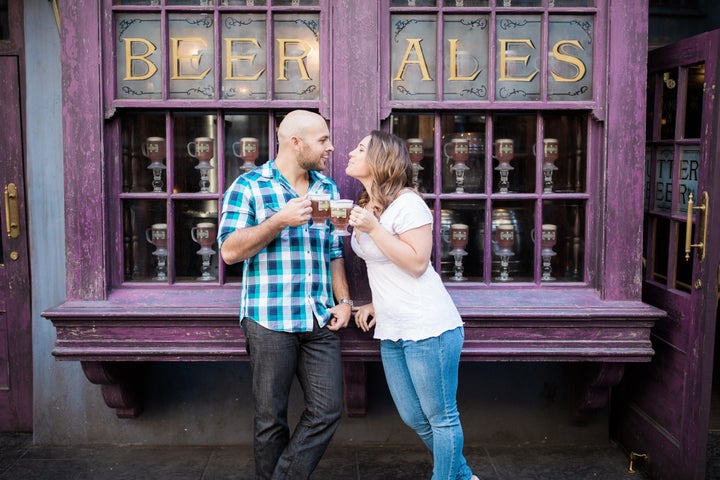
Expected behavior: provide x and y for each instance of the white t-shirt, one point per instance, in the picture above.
(406, 308)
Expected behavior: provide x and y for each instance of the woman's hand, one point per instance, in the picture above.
(365, 317)
(363, 220)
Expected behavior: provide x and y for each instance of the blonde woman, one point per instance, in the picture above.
(419, 327)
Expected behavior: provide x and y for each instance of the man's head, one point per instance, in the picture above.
(304, 137)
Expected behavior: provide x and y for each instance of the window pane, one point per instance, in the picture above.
(463, 153)
(412, 3)
(4, 20)
(466, 3)
(664, 161)
(518, 58)
(192, 56)
(572, 3)
(669, 105)
(195, 230)
(194, 153)
(565, 149)
(246, 144)
(568, 216)
(244, 66)
(519, 3)
(466, 59)
(453, 261)
(513, 141)
(144, 153)
(146, 240)
(660, 245)
(297, 53)
(689, 163)
(417, 130)
(412, 57)
(139, 55)
(650, 110)
(694, 105)
(570, 57)
(295, 3)
(512, 251)
(683, 268)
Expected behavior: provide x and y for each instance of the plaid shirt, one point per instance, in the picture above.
(288, 282)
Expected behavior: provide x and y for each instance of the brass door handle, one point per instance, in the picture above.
(12, 212)
(704, 208)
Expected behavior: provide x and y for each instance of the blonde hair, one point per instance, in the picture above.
(390, 168)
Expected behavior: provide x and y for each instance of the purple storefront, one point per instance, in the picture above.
(573, 180)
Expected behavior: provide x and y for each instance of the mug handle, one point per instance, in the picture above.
(235, 150)
(193, 234)
(147, 235)
(193, 147)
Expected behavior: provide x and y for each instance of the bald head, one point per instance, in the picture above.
(297, 123)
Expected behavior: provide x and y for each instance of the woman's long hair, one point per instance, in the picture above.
(390, 168)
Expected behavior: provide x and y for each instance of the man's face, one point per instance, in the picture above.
(315, 148)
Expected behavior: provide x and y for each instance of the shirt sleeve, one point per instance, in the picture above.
(409, 211)
(237, 210)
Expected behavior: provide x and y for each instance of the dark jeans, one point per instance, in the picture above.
(276, 359)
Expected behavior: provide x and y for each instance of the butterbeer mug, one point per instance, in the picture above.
(247, 149)
(204, 234)
(416, 149)
(459, 150)
(504, 150)
(548, 236)
(157, 235)
(340, 215)
(201, 148)
(505, 237)
(458, 237)
(320, 209)
(154, 148)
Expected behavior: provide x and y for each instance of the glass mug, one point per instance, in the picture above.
(548, 236)
(505, 237)
(415, 149)
(320, 209)
(459, 150)
(247, 149)
(458, 237)
(550, 150)
(157, 235)
(154, 148)
(204, 234)
(201, 148)
(504, 150)
(340, 215)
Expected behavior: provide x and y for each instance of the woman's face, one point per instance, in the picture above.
(358, 166)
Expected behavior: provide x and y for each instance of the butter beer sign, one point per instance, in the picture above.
(521, 69)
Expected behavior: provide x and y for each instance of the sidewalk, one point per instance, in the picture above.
(21, 460)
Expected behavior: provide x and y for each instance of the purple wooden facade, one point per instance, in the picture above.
(109, 325)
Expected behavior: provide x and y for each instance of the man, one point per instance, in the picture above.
(287, 310)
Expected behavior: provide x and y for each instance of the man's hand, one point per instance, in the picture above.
(340, 317)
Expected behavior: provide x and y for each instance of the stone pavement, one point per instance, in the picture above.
(21, 460)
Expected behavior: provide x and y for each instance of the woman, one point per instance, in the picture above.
(419, 327)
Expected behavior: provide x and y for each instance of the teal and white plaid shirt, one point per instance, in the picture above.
(288, 282)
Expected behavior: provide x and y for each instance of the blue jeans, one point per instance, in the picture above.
(423, 379)
(276, 358)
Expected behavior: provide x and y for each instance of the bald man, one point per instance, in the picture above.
(294, 296)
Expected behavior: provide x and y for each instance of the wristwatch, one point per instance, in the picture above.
(346, 300)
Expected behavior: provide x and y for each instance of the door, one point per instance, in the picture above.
(661, 409)
(15, 315)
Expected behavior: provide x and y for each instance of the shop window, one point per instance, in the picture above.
(507, 183)
(200, 87)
